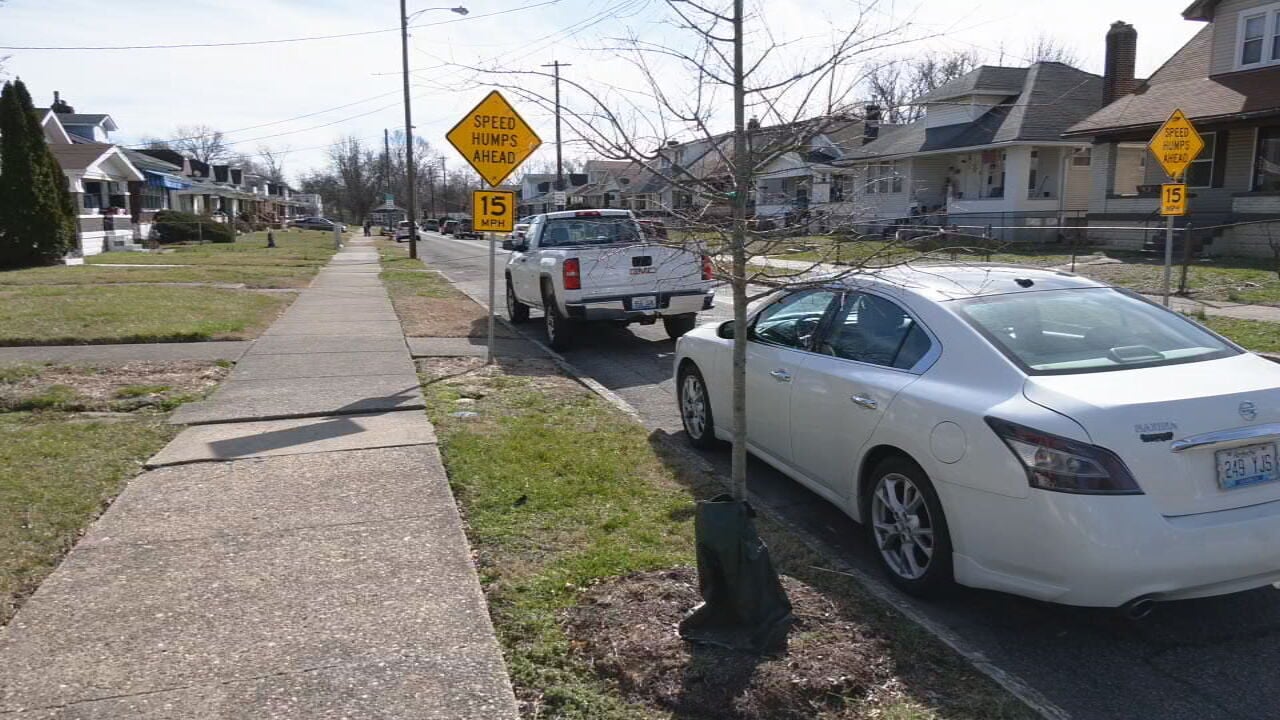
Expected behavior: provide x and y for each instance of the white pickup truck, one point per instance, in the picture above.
(589, 265)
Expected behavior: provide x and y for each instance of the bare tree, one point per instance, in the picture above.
(353, 168)
(200, 142)
(1046, 48)
(711, 176)
(895, 85)
(155, 143)
(270, 162)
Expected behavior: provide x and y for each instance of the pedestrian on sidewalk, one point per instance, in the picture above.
(367, 225)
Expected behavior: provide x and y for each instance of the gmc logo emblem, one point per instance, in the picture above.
(643, 270)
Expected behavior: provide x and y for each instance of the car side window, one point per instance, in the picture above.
(793, 320)
(870, 329)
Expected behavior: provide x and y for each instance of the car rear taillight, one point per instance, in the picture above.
(707, 270)
(1062, 465)
(572, 275)
(587, 213)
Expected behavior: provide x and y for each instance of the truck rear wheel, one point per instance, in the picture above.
(678, 325)
(559, 328)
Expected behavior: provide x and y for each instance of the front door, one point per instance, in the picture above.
(862, 360)
(779, 340)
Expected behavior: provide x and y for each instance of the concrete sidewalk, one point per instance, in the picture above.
(295, 554)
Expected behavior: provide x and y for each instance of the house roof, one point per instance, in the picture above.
(1053, 97)
(1184, 83)
(82, 157)
(103, 121)
(1200, 10)
(146, 161)
(985, 80)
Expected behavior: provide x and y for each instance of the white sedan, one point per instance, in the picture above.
(1022, 430)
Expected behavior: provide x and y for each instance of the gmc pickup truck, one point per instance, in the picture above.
(595, 265)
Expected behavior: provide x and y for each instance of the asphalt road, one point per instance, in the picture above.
(1197, 659)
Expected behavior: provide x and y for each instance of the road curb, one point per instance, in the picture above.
(1010, 682)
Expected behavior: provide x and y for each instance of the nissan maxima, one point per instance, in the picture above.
(1016, 429)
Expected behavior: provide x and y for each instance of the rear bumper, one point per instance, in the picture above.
(621, 307)
(1106, 551)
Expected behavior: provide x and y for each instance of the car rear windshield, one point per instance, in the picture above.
(605, 230)
(1060, 332)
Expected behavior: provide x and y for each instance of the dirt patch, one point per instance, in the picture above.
(470, 378)
(445, 317)
(833, 667)
(128, 387)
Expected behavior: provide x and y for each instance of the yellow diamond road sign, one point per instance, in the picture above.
(1176, 144)
(494, 138)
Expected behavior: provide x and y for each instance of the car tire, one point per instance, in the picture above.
(516, 310)
(907, 528)
(678, 325)
(559, 328)
(695, 408)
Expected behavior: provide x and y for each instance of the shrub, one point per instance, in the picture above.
(172, 226)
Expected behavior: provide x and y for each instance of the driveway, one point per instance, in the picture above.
(1194, 659)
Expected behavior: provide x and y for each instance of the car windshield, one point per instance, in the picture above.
(603, 230)
(1060, 332)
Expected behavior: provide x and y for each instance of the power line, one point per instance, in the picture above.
(278, 41)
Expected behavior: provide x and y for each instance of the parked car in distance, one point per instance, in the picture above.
(464, 230)
(587, 265)
(404, 230)
(1016, 429)
(449, 227)
(516, 236)
(317, 223)
(431, 225)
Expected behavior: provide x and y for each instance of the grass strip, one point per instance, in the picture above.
(1256, 335)
(58, 471)
(39, 315)
(305, 248)
(562, 492)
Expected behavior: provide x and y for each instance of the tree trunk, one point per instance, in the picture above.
(742, 182)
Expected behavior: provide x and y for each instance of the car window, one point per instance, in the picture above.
(1089, 330)
(599, 230)
(870, 329)
(793, 320)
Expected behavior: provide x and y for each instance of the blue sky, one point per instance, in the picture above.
(151, 92)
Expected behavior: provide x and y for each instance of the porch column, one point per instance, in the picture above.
(1017, 175)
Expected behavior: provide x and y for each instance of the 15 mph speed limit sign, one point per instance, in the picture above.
(493, 211)
(1173, 199)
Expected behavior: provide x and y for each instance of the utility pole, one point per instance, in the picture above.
(431, 188)
(386, 160)
(408, 132)
(559, 156)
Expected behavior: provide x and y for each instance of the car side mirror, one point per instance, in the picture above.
(725, 331)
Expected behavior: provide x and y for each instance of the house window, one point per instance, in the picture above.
(1267, 175)
(1200, 172)
(154, 198)
(92, 195)
(1259, 38)
(838, 183)
(884, 178)
(1082, 157)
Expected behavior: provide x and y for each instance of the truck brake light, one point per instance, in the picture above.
(587, 213)
(572, 274)
(707, 269)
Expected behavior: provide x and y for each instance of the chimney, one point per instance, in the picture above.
(870, 123)
(1121, 61)
(59, 106)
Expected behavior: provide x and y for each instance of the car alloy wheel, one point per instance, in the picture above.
(693, 406)
(903, 526)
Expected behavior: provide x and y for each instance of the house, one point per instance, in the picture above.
(1226, 79)
(988, 151)
(800, 179)
(156, 192)
(537, 191)
(99, 177)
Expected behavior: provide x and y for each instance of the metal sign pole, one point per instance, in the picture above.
(493, 254)
(1168, 256)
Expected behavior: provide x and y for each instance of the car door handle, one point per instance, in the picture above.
(781, 375)
(865, 401)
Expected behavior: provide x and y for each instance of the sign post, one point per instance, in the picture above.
(1176, 145)
(494, 140)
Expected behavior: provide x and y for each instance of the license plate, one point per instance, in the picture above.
(1246, 466)
(648, 302)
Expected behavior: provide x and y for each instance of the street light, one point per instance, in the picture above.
(408, 119)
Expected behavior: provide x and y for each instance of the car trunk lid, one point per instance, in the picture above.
(1140, 413)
